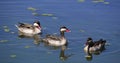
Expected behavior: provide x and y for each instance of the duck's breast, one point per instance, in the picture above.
(37, 30)
(57, 42)
(91, 49)
(86, 48)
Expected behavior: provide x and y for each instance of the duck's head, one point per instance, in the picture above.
(64, 29)
(89, 40)
(37, 24)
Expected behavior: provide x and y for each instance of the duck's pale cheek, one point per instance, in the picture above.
(62, 29)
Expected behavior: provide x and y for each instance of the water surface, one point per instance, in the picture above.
(84, 19)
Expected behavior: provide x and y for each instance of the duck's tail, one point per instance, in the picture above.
(16, 26)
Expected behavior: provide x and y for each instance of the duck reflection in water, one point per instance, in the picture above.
(63, 56)
(94, 47)
(36, 38)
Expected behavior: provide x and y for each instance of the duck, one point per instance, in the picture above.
(54, 40)
(94, 46)
(29, 29)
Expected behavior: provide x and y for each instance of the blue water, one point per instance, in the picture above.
(84, 19)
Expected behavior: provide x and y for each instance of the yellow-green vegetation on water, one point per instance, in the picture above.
(3, 41)
(97, 1)
(55, 18)
(106, 3)
(13, 56)
(100, 1)
(81, 0)
(49, 52)
(82, 30)
(12, 32)
(45, 14)
(6, 29)
(35, 14)
(31, 8)
(27, 46)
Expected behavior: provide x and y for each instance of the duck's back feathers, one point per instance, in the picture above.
(53, 37)
(25, 25)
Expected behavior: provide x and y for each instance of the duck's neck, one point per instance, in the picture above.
(90, 44)
(37, 30)
(88, 49)
(62, 34)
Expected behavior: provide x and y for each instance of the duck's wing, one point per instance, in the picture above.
(25, 25)
(21, 24)
(53, 37)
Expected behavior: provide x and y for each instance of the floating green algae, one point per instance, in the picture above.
(13, 56)
(27, 46)
(35, 14)
(6, 28)
(81, 0)
(97, 1)
(106, 2)
(45, 14)
(49, 52)
(100, 1)
(82, 30)
(31, 8)
(12, 32)
(3, 41)
(54, 18)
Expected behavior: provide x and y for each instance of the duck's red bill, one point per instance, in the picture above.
(68, 31)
